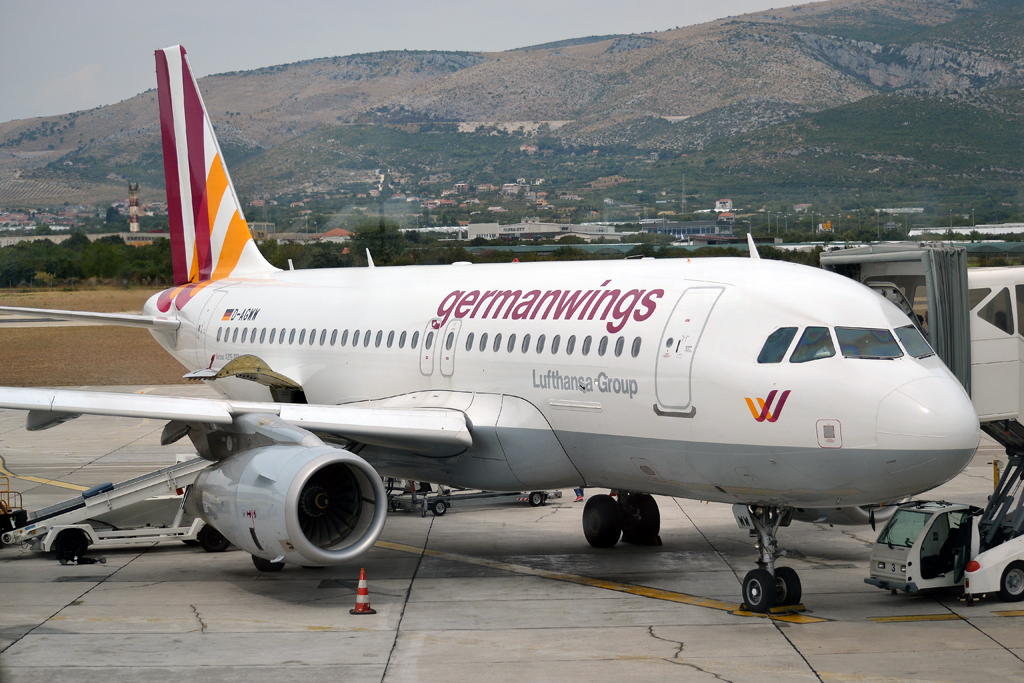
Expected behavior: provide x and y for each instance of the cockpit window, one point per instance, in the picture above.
(774, 349)
(814, 343)
(976, 296)
(859, 342)
(914, 342)
(997, 311)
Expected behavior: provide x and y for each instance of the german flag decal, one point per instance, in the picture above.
(227, 314)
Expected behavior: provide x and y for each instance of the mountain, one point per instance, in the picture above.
(325, 122)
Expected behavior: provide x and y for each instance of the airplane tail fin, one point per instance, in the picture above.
(210, 239)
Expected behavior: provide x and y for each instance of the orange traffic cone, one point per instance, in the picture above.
(362, 597)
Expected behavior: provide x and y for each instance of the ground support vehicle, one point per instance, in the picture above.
(440, 503)
(935, 544)
(144, 510)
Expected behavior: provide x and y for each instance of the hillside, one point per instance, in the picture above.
(322, 123)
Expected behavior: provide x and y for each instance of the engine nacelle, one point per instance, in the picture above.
(852, 515)
(305, 503)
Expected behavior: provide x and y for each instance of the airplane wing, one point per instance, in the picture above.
(436, 431)
(124, 319)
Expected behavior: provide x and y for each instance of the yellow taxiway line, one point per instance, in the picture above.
(38, 480)
(617, 586)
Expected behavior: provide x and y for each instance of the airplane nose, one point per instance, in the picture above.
(927, 431)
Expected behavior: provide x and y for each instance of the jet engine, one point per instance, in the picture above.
(303, 502)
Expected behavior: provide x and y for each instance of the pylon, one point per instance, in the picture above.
(362, 597)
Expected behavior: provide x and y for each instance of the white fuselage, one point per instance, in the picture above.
(660, 393)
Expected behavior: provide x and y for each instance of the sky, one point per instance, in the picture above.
(58, 56)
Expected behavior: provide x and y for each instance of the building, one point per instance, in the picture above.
(687, 229)
(461, 188)
(723, 205)
(262, 231)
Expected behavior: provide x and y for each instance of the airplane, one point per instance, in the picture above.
(770, 386)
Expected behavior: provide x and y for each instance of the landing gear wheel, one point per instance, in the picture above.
(266, 565)
(759, 590)
(439, 507)
(602, 521)
(641, 519)
(1011, 585)
(211, 540)
(70, 543)
(536, 499)
(787, 586)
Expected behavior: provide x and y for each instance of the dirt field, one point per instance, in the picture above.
(86, 355)
(104, 300)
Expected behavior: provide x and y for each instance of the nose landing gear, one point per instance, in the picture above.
(767, 586)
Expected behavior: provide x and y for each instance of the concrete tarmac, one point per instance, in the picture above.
(497, 593)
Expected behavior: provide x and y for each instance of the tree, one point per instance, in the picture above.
(113, 216)
(382, 237)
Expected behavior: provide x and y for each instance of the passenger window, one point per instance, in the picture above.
(355, 339)
(263, 335)
(312, 336)
(429, 341)
(448, 342)
(245, 331)
(997, 312)
(1020, 307)
(511, 342)
(415, 339)
(302, 336)
(291, 336)
(526, 343)
(334, 337)
(323, 337)
(586, 345)
(540, 344)
(620, 344)
(976, 296)
(280, 336)
(401, 340)
(391, 338)
(857, 342)
(913, 342)
(344, 337)
(483, 341)
(234, 336)
(775, 347)
(635, 351)
(814, 343)
(570, 345)
(219, 330)
(273, 334)
(602, 346)
(469, 342)
(555, 341)
(497, 342)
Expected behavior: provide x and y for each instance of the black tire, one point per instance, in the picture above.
(71, 543)
(191, 542)
(645, 530)
(439, 507)
(759, 591)
(266, 565)
(788, 590)
(536, 499)
(1011, 585)
(211, 540)
(602, 521)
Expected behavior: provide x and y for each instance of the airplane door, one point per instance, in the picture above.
(447, 343)
(427, 350)
(204, 347)
(679, 344)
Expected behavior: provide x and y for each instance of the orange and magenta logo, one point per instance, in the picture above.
(762, 411)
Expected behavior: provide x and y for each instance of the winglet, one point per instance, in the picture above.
(369, 259)
(752, 246)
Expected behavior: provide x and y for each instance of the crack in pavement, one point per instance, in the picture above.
(681, 644)
(202, 624)
(683, 662)
(553, 511)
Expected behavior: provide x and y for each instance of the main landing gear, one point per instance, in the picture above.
(633, 518)
(767, 586)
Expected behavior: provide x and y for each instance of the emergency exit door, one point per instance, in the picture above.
(672, 375)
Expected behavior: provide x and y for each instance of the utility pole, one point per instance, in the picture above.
(684, 195)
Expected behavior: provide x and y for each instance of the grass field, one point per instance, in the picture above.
(86, 355)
